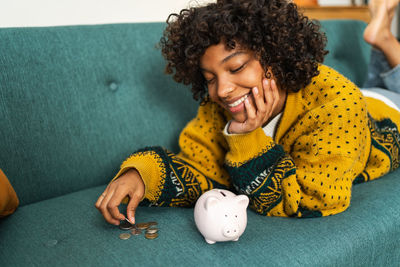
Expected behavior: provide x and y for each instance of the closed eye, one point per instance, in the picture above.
(238, 69)
(210, 81)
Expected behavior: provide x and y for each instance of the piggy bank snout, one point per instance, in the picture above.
(231, 230)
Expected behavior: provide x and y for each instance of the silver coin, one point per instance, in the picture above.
(135, 231)
(124, 236)
(125, 225)
(151, 230)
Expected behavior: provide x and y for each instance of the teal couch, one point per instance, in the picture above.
(75, 101)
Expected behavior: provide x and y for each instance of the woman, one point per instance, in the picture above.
(274, 123)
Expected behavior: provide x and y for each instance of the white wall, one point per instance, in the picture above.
(20, 13)
(30, 13)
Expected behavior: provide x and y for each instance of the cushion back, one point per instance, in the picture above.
(348, 52)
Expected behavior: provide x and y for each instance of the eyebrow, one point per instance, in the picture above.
(227, 58)
(231, 56)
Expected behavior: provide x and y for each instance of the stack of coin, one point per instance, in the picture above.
(151, 236)
(151, 231)
(136, 229)
(126, 225)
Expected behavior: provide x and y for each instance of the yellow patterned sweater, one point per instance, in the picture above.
(329, 138)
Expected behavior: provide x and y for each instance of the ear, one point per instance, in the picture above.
(242, 200)
(210, 203)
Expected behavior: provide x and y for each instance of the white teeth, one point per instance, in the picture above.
(237, 102)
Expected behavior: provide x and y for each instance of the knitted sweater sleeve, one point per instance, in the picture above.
(258, 168)
(179, 179)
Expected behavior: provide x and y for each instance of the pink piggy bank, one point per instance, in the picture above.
(220, 215)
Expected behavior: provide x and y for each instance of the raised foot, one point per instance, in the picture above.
(378, 30)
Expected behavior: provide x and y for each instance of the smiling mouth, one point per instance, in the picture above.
(238, 102)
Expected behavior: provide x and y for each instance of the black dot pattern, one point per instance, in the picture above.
(328, 142)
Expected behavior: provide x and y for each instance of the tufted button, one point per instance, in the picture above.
(113, 86)
(51, 243)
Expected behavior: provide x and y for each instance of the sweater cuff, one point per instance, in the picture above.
(244, 147)
(150, 172)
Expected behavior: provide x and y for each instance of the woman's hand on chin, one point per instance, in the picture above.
(260, 110)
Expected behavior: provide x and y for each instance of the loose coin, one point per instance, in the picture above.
(151, 236)
(142, 226)
(152, 223)
(151, 230)
(135, 231)
(124, 236)
(125, 225)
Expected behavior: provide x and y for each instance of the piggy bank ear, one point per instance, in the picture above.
(210, 203)
(242, 200)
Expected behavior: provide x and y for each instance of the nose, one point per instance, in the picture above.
(231, 230)
(225, 87)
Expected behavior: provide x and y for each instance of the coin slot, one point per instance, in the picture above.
(222, 193)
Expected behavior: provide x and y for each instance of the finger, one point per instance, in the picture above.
(102, 196)
(250, 110)
(104, 208)
(100, 199)
(131, 208)
(275, 93)
(259, 99)
(269, 98)
(114, 202)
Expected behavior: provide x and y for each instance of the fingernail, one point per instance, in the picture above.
(255, 89)
(246, 101)
(131, 220)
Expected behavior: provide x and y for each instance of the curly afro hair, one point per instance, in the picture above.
(284, 40)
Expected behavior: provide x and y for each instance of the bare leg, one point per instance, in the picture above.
(378, 32)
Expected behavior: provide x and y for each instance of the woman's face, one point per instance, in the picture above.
(230, 77)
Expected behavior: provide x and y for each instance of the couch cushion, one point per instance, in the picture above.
(69, 231)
